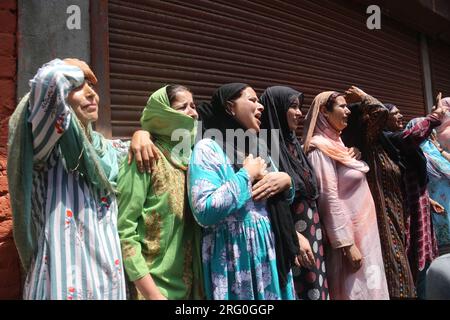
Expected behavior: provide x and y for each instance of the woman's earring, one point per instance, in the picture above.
(229, 110)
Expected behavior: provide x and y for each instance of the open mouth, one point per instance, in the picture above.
(90, 107)
(258, 117)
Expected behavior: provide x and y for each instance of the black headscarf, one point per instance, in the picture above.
(276, 101)
(404, 152)
(214, 115)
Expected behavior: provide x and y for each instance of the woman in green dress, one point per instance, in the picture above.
(159, 237)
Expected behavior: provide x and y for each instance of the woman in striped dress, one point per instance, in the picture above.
(62, 178)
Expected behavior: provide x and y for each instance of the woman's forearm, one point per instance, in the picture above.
(148, 288)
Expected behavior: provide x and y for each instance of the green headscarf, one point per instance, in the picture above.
(161, 120)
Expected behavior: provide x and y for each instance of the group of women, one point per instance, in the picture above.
(343, 214)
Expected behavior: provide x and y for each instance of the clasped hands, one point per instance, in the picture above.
(267, 184)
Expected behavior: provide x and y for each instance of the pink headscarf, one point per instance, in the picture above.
(443, 131)
(318, 133)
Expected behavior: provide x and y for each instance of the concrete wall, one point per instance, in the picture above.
(9, 259)
(44, 35)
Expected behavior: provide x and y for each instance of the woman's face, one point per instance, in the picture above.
(294, 115)
(247, 110)
(443, 137)
(84, 102)
(184, 103)
(338, 117)
(395, 120)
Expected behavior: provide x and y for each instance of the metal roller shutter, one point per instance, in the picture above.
(309, 45)
(440, 68)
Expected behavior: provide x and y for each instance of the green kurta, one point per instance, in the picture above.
(157, 231)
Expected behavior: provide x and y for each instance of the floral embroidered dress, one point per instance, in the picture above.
(238, 251)
(158, 234)
(439, 189)
(76, 252)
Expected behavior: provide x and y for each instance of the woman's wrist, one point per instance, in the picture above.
(250, 176)
(438, 114)
(347, 249)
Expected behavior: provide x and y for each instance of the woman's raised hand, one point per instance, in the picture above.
(440, 109)
(143, 150)
(88, 73)
(354, 94)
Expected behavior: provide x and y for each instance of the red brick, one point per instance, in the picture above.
(3, 184)
(3, 163)
(7, 97)
(10, 271)
(8, 4)
(5, 207)
(4, 150)
(7, 89)
(7, 107)
(8, 47)
(6, 227)
(8, 21)
(7, 67)
(4, 137)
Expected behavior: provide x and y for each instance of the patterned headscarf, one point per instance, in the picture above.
(49, 91)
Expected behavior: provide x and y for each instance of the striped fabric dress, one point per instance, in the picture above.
(78, 250)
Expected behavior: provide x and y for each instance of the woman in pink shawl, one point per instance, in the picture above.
(443, 131)
(346, 207)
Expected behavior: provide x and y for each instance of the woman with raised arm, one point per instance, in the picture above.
(397, 180)
(353, 253)
(62, 178)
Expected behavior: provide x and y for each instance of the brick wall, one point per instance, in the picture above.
(9, 261)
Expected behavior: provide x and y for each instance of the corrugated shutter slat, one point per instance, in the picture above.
(309, 45)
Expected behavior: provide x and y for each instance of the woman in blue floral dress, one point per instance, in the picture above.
(237, 202)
